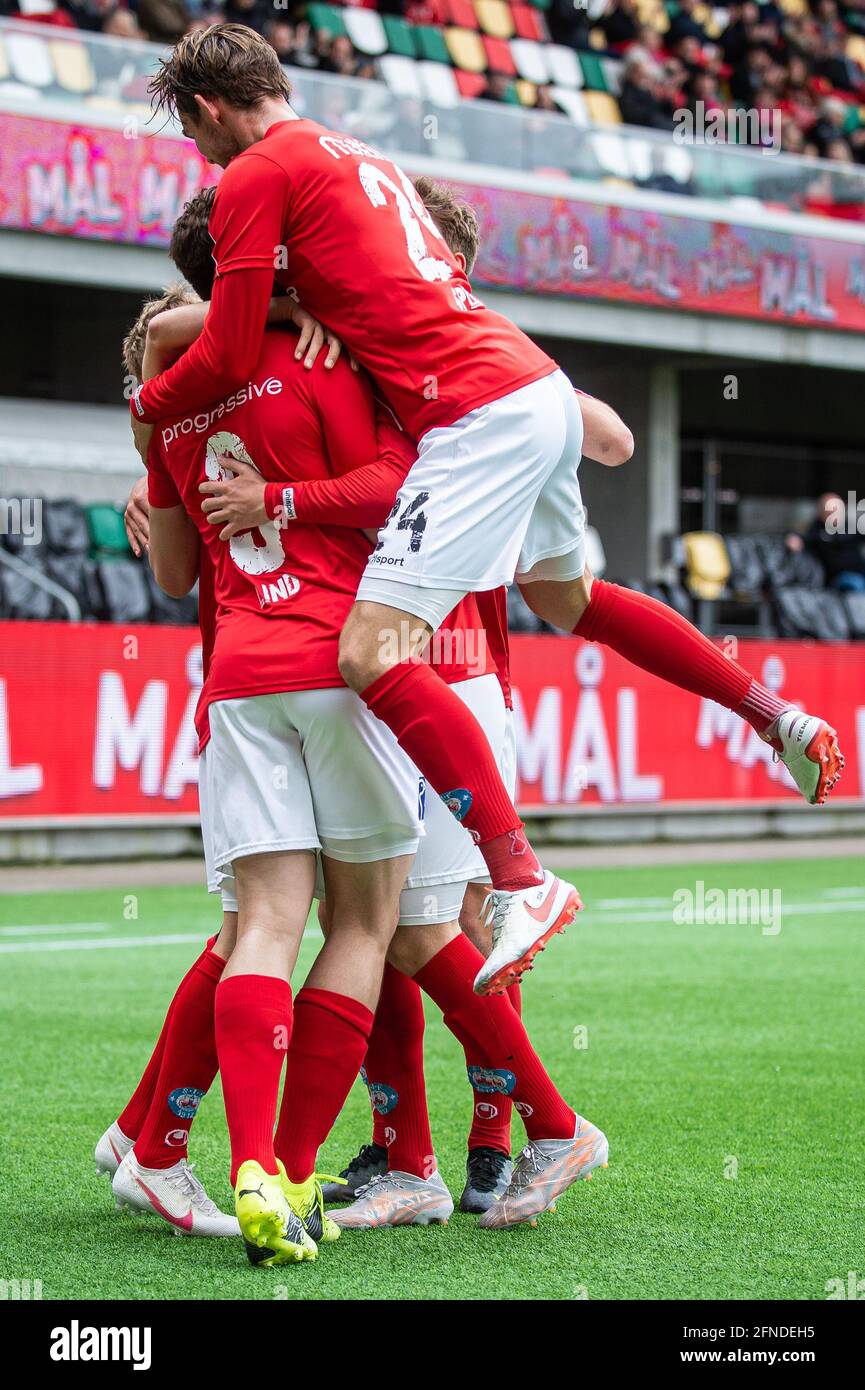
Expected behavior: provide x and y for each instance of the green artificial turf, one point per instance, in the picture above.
(724, 1062)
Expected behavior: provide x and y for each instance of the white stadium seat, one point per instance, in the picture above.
(365, 30)
(565, 71)
(530, 59)
(29, 59)
(438, 83)
(573, 103)
(400, 74)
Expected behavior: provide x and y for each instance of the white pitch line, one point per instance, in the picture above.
(117, 943)
(52, 928)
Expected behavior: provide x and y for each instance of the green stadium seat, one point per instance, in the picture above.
(431, 44)
(326, 17)
(107, 532)
(542, 4)
(400, 36)
(593, 72)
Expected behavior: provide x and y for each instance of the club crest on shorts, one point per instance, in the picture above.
(497, 1079)
(458, 802)
(184, 1101)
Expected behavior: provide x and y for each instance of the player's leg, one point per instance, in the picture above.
(154, 1174)
(263, 825)
(657, 638)
(458, 525)
(368, 813)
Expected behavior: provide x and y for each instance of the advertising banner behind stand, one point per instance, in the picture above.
(96, 724)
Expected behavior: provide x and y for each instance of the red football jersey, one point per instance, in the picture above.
(344, 228)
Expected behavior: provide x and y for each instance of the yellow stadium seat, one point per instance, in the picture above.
(707, 563)
(603, 109)
(856, 49)
(466, 50)
(72, 66)
(794, 7)
(597, 39)
(495, 18)
(526, 91)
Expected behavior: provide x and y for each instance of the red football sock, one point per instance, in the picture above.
(330, 1039)
(418, 706)
(492, 1034)
(395, 1076)
(131, 1118)
(253, 1026)
(491, 1116)
(660, 640)
(188, 1067)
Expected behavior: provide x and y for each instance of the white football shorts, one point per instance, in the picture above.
(222, 883)
(492, 496)
(308, 769)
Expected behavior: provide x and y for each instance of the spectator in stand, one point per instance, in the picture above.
(642, 100)
(833, 538)
(684, 25)
(620, 24)
(569, 24)
(122, 24)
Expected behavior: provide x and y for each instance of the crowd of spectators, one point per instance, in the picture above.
(761, 58)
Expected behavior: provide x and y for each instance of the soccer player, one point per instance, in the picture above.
(494, 489)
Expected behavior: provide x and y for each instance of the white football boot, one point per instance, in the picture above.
(175, 1194)
(522, 924)
(545, 1169)
(808, 748)
(397, 1199)
(111, 1150)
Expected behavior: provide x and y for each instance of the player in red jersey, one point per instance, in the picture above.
(448, 980)
(345, 229)
(494, 490)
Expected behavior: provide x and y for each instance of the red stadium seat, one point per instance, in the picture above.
(470, 84)
(499, 56)
(461, 13)
(529, 23)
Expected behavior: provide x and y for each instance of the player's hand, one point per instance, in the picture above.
(236, 504)
(141, 435)
(136, 518)
(312, 335)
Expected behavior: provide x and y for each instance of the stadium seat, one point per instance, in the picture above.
(65, 524)
(400, 36)
(438, 83)
(529, 23)
(530, 60)
(573, 103)
(747, 572)
(366, 31)
(431, 44)
(24, 599)
(171, 612)
(495, 18)
(28, 541)
(470, 84)
(854, 607)
(462, 13)
(76, 573)
(29, 59)
(602, 108)
(328, 18)
(804, 613)
(107, 532)
(542, 4)
(73, 70)
(565, 71)
(400, 74)
(125, 590)
(593, 72)
(466, 50)
(784, 568)
(706, 562)
(679, 598)
(613, 70)
(499, 56)
(527, 92)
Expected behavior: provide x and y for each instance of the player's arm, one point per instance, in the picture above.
(247, 221)
(362, 497)
(173, 545)
(174, 330)
(606, 437)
